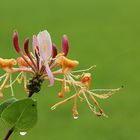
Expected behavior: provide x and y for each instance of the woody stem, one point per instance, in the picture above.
(9, 133)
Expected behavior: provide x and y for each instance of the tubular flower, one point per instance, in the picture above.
(66, 64)
(7, 63)
(45, 63)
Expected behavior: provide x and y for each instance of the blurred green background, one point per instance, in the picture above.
(101, 32)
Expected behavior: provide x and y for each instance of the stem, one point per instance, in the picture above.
(9, 134)
(30, 94)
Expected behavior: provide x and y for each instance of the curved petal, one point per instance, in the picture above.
(45, 51)
(49, 73)
(34, 43)
(45, 44)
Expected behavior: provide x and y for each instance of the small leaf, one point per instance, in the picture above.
(6, 103)
(22, 114)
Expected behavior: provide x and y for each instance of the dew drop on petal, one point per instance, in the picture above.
(75, 116)
(23, 133)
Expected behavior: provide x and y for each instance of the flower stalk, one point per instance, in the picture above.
(9, 133)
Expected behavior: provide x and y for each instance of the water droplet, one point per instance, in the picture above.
(23, 133)
(75, 117)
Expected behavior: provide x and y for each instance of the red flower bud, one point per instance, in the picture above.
(54, 47)
(65, 45)
(15, 42)
(26, 48)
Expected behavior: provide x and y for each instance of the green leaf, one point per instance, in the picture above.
(6, 103)
(22, 114)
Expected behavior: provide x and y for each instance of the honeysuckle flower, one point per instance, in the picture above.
(45, 51)
(44, 45)
(45, 63)
(39, 62)
(44, 55)
(67, 65)
(7, 63)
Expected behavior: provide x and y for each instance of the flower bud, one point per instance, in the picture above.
(65, 45)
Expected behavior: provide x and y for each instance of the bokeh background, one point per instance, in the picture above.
(101, 32)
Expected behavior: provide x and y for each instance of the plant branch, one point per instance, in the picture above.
(10, 131)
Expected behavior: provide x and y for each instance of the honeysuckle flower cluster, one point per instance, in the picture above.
(45, 63)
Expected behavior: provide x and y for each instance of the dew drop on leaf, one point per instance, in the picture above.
(23, 133)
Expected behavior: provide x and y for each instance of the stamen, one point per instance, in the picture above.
(76, 76)
(61, 94)
(77, 71)
(106, 90)
(62, 102)
(102, 96)
(38, 62)
(109, 93)
(16, 79)
(25, 82)
(96, 103)
(89, 104)
(12, 92)
(77, 83)
(3, 76)
(72, 81)
(4, 83)
(36, 56)
(100, 113)
(42, 70)
(19, 80)
(22, 70)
